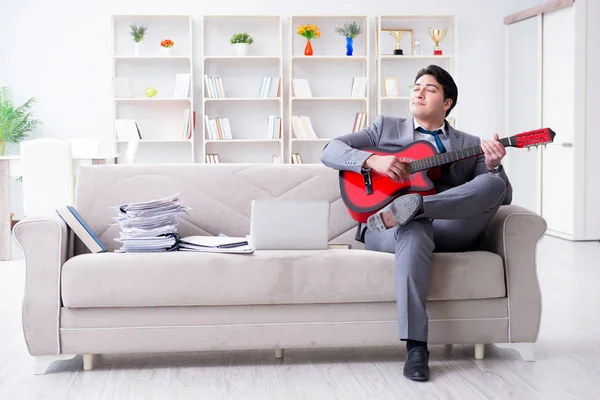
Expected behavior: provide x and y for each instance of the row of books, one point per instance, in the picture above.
(360, 122)
(214, 87)
(127, 129)
(212, 158)
(218, 128)
(359, 87)
(302, 127)
(271, 87)
(274, 127)
(296, 158)
(182, 86)
(187, 124)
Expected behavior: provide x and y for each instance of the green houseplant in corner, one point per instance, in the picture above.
(15, 122)
(242, 42)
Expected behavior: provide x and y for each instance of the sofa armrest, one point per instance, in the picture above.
(514, 234)
(45, 244)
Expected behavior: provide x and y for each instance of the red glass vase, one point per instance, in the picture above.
(308, 51)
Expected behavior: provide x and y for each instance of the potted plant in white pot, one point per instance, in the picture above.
(138, 33)
(241, 42)
(15, 122)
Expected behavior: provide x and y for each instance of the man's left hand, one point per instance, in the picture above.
(494, 151)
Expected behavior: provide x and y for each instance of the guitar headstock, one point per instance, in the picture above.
(532, 138)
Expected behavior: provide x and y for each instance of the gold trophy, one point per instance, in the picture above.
(398, 36)
(437, 35)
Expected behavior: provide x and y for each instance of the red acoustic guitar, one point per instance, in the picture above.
(365, 194)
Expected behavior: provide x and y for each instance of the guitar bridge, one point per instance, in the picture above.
(368, 185)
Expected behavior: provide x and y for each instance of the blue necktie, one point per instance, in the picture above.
(438, 141)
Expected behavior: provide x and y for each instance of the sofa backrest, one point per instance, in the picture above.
(220, 195)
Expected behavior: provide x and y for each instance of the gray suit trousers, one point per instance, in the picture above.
(452, 221)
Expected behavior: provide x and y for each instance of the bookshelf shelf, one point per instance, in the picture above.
(244, 99)
(241, 58)
(329, 99)
(158, 141)
(150, 100)
(312, 140)
(409, 58)
(330, 58)
(330, 76)
(166, 119)
(245, 141)
(142, 58)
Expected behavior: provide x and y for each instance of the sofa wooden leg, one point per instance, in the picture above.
(479, 351)
(88, 362)
(43, 362)
(279, 354)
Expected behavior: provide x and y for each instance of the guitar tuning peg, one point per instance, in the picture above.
(528, 148)
(545, 144)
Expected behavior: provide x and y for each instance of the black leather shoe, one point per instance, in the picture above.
(416, 367)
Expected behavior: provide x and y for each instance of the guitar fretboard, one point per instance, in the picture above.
(445, 158)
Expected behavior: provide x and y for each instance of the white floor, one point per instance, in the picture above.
(567, 366)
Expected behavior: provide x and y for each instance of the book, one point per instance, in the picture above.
(83, 231)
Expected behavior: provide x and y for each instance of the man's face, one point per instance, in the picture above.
(427, 99)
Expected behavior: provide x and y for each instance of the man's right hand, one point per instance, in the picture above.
(388, 165)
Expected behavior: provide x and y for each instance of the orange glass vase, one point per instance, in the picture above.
(308, 51)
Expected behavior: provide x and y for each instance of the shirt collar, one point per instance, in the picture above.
(443, 127)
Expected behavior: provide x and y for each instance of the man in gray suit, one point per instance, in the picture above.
(469, 193)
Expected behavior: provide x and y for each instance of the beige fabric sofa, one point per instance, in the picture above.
(81, 303)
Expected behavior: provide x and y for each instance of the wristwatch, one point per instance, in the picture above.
(496, 170)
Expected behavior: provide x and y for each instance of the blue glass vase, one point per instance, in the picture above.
(349, 48)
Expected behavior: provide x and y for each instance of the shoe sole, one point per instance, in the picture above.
(404, 208)
(418, 379)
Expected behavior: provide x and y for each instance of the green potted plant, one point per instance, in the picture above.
(15, 122)
(350, 31)
(137, 33)
(241, 42)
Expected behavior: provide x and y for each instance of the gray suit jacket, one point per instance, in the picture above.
(392, 133)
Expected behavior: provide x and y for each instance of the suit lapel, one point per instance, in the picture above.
(406, 130)
(456, 139)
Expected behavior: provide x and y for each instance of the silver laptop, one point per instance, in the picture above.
(289, 225)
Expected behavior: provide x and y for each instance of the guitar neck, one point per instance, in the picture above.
(452, 156)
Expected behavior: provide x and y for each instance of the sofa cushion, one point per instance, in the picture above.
(266, 277)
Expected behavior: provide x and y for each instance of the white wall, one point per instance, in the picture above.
(59, 52)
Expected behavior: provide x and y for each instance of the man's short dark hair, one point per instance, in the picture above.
(444, 79)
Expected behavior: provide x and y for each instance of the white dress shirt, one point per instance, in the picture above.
(445, 138)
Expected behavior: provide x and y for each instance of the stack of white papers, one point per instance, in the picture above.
(150, 226)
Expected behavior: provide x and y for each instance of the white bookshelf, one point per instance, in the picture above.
(242, 79)
(329, 72)
(404, 67)
(160, 119)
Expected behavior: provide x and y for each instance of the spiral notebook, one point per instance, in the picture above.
(215, 244)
